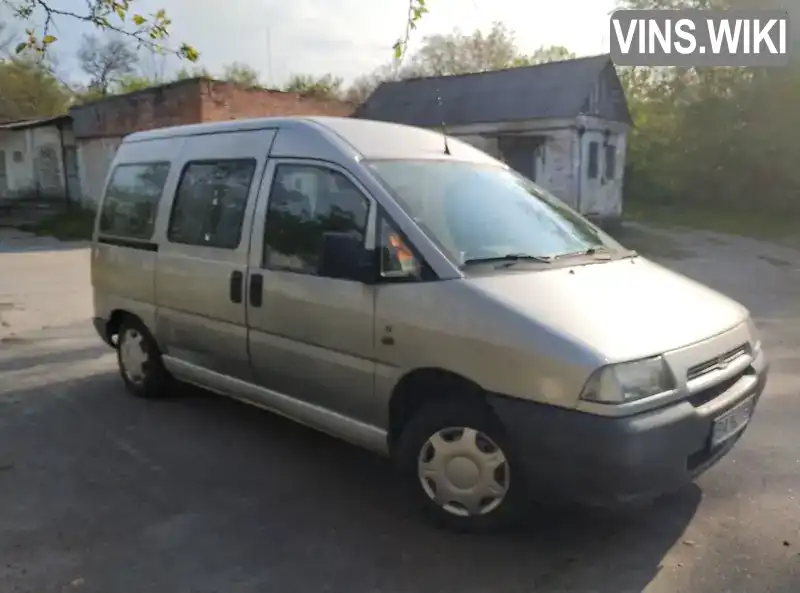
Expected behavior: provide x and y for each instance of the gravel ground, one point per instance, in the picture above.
(103, 493)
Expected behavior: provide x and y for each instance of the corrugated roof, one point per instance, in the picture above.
(551, 90)
(34, 123)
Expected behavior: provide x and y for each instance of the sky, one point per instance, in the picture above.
(343, 37)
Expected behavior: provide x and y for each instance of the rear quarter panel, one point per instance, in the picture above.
(123, 277)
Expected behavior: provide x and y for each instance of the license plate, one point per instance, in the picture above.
(732, 423)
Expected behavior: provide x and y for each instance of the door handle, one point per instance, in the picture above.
(256, 289)
(236, 286)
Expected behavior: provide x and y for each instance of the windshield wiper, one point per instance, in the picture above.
(595, 250)
(601, 250)
(509, 259)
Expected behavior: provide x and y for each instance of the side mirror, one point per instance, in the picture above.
(343, 256)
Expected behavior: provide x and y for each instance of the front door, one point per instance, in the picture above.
(202, 260)
(311, 336)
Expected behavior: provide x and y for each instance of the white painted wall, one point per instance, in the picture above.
(40, 170)
(555, 161)
(563, 162)
(94, 160)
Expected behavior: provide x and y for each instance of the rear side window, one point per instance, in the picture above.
(131, 202)
(210, 203)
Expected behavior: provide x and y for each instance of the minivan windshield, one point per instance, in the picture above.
(483, 213)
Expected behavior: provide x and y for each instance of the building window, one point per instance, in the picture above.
(594, 161)
(210, 203)
(17, 156)
(131, 200)
(611, 161)
(305, 202)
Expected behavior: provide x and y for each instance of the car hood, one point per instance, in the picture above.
(623, 309)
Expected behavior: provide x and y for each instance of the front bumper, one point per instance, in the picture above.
(607, 461)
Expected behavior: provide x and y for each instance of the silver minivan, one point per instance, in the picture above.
(410, 294)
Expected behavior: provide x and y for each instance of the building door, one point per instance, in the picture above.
(71, 170)
(521, 153)
(3, 175)
(600, 188)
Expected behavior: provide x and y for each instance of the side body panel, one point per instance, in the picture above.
(123, 270)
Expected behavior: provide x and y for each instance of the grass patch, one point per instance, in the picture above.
(733, 220)
(75, 225)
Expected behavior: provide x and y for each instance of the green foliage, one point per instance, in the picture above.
(28, 89)
(543, 55)
(197, 72)
(134, 82)
(241, 74)
(456, 53)
(710, 139)
(322, 87)
(416, 10)
(150, 31)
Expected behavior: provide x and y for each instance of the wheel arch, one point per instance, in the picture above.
(421, 386)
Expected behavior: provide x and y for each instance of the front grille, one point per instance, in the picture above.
(701, 398)
(703, 368)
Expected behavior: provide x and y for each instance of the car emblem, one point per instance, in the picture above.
(722, 364)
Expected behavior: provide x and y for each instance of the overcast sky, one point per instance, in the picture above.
(345, 37)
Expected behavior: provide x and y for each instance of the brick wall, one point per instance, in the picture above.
(167, 105)
(191, 101)
(224, 101)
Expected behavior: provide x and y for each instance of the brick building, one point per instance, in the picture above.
(99, 126)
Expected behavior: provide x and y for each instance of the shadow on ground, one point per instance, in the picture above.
(200, 493)
(652, 242)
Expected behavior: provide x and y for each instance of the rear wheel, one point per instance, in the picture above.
(139, 361)
(457, 462)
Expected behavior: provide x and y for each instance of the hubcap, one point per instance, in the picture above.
(463, 471)
(133, 356)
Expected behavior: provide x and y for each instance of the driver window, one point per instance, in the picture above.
(397, 259)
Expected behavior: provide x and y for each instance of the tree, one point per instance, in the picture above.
(241, 74)
(28, 89)
(150, 31)
(543, 55)
(198, 72)
(363, 86)
(136, 82)
(457, 53)
(714, 136)
(106, 62)
(322, 87)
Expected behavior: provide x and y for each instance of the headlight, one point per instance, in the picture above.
(755, 337)
(629, 381)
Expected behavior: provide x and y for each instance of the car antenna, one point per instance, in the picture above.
(444, 127)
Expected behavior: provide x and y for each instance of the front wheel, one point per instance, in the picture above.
(457, 462)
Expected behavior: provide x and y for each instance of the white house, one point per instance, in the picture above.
(38, 160)
(562, 124)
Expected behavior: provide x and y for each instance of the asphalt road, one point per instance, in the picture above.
(103, 493)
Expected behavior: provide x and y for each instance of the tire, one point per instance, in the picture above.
(471, 441)
(139, 361)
